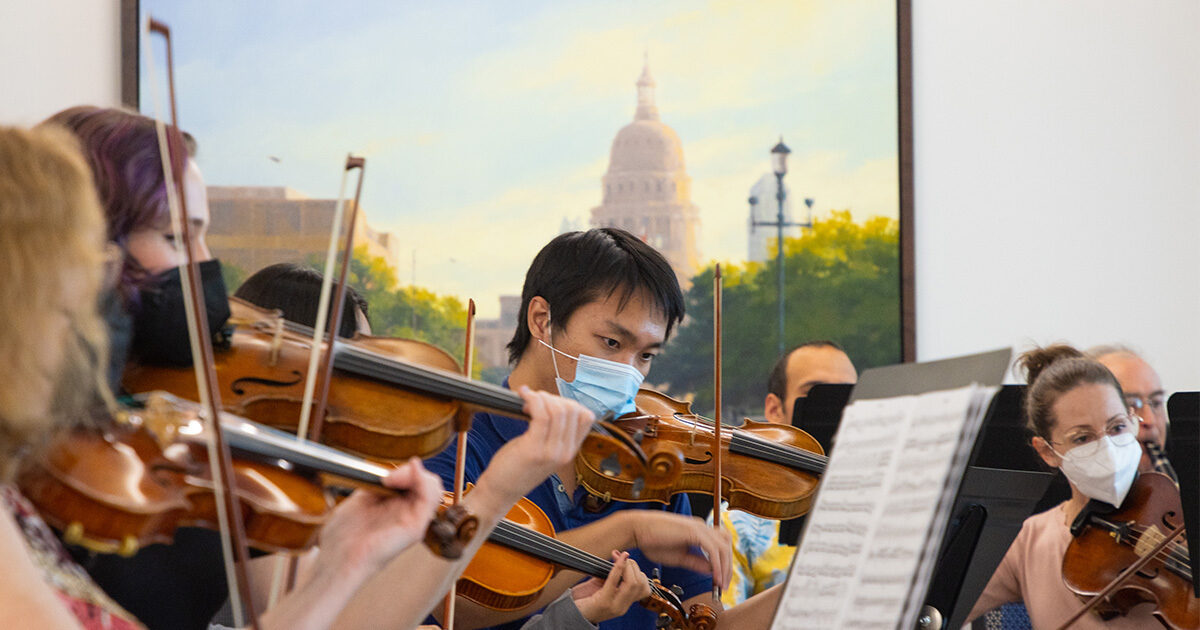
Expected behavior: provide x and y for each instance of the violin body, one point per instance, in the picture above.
(117, 490)
(262, 377)
(505, 579)
(501, 577)
(670, 432)
(1114, 541)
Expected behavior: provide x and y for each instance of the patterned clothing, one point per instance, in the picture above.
(92, 608)
(759, 561)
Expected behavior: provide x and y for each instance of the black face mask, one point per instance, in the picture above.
(160, 334)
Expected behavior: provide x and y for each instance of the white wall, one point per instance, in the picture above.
(1057, 153)
(57, 53)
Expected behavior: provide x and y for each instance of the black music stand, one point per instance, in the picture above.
(991, 506)
(1005, 484)
(1183, 447)
(1004, 443)
(818, 414)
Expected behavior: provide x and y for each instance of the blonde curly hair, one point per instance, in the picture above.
(52, 264)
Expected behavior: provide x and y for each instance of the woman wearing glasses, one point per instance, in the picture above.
(1076, 411)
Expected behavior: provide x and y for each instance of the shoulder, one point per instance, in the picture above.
(488, 433)
(1045, 527)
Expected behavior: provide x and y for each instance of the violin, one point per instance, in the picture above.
(390, 399)
(1145, 527)
(769, 470)
(115, 491)
(134, 482)
(522, 555)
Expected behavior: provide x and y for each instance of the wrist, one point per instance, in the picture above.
(489, 502)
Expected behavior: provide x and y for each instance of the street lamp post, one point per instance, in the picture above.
(779, 165)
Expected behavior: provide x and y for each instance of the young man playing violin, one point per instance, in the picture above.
(295, 289)
(597, 307)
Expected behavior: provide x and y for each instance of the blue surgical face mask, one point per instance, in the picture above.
(600, 385)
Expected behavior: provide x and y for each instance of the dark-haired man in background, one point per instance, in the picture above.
(759, 560)
(1144, 393)
(596, 308)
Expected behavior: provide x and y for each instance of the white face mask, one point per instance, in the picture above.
(1103, 469)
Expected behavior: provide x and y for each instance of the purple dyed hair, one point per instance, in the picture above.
(122, 149)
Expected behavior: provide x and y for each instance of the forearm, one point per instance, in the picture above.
(394, 599)
(317, 602)
(755, 612)
(560, 614)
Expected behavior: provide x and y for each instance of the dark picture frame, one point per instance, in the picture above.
(130, 69)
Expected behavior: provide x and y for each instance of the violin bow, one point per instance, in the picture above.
(233, 533)
(717, 289)
(324, 374)
(320, 367)
(464, 425)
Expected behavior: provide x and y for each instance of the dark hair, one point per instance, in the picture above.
(580, 267)
(295, 290)
(1053, 371)
(777, 381)
(121, 148)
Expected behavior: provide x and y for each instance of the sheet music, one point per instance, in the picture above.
(872, 537)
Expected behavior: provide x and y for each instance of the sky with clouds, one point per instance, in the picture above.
(486, 123)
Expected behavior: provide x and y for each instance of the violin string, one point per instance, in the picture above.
(1176, 547)
(442, 383)
(779, 452)
(559, 552)
(556, 551)
(744, 442)
(1176, 551)
(454, 386)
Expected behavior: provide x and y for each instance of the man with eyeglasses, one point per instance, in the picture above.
(1144, 394)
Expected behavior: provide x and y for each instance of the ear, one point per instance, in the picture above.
(538, 318)
(773, 410)
(1047, 454)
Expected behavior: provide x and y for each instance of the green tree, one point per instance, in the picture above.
(842, 282)
(233, 276)
(407, 312)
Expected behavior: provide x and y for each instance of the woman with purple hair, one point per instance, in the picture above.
(179, 585)
(122, 149)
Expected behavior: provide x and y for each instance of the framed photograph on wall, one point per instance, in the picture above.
(489, 128)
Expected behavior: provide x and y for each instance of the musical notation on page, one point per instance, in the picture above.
(883, 504)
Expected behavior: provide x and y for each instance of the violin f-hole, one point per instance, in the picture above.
(238, 388)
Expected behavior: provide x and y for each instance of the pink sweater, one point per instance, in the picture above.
(1031, 572)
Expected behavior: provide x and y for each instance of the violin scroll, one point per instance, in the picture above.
(665, 604)
(451, 531)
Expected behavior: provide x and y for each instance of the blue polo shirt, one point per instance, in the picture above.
(489, 432)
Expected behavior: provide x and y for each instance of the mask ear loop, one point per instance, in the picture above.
(554, 360)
